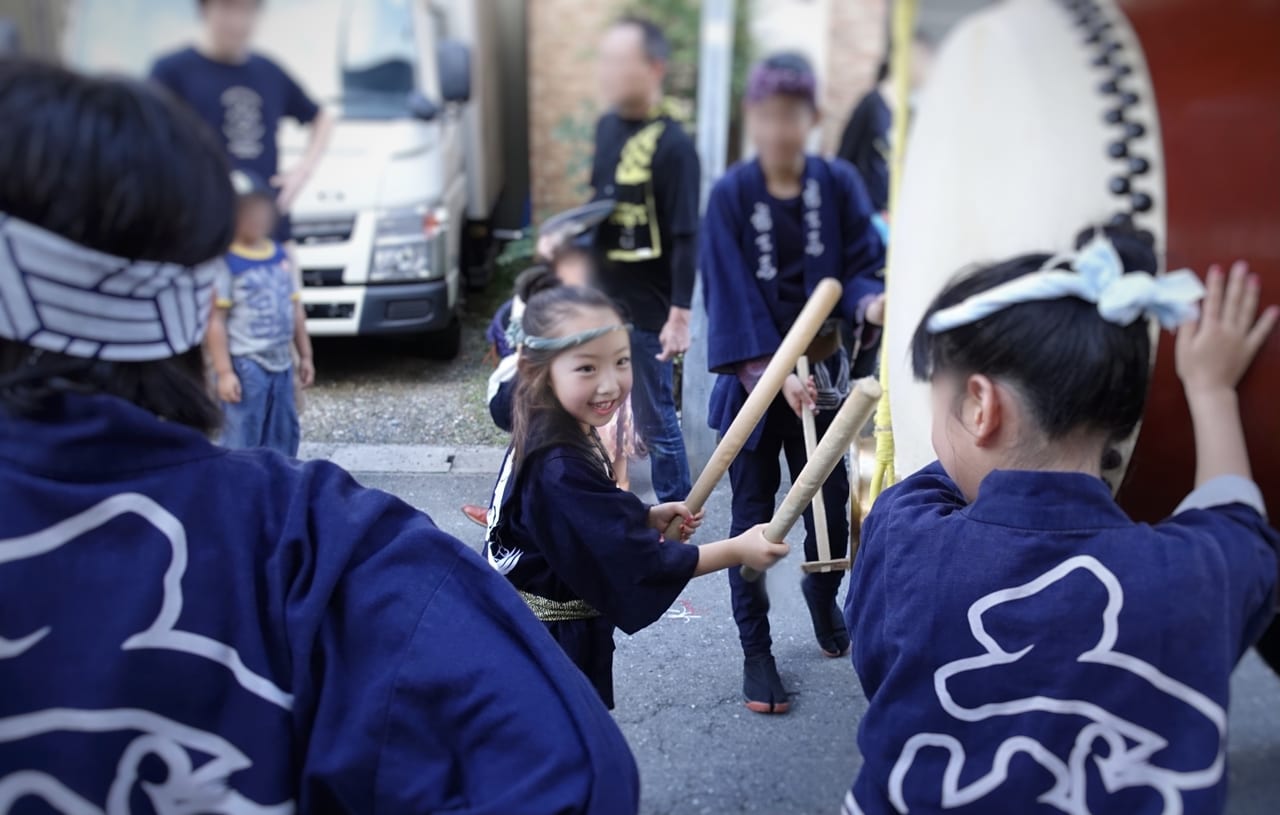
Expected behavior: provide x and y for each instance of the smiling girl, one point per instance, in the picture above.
(586, 556)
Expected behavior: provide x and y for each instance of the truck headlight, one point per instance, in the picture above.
(409, 245)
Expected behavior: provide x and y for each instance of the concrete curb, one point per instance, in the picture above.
(407, 459)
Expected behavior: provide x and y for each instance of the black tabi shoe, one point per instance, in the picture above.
(762, 686)
(839, 644)
(828, 622)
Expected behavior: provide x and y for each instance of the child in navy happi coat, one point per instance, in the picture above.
(1024, 646)
(775, 227)
(185, 628)
(586, 556)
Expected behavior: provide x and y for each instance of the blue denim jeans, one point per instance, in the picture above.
(266, 415)
(654, 405)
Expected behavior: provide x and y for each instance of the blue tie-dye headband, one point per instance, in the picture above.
(1096, 275)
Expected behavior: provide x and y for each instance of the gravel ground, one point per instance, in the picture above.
(384, 392)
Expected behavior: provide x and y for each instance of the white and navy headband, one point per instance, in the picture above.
(59, 296)
(1096, 275)
(572, 340)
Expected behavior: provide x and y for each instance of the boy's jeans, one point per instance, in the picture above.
(266, 415)
(654, 405)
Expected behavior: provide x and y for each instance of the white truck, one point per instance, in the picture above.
(394, 223)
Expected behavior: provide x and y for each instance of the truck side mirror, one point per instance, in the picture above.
(454, 63)
(420, 107)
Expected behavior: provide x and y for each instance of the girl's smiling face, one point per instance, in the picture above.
(592, 380)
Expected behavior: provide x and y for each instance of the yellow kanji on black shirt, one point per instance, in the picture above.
(635, 219)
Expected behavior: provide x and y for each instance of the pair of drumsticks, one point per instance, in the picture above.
(806, 488)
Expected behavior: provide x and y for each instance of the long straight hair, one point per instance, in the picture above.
(538, 418)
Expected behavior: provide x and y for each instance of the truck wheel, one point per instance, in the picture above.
(445, 344)
(479, 256)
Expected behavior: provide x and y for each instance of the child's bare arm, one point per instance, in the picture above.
(1213, 354)
(751, 548)
(302, 342)
(219, 349)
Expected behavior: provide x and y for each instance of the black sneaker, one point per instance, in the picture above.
(762, 686)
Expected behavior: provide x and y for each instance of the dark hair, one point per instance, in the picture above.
(919, 39)
(117, 166)
(203, 3)
(538, 419)
(882, 73)
(787, 74)
(792, 61)
(1074, 369)
(656, 46)
(535, 280)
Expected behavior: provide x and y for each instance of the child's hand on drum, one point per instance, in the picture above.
(757, 551)
(662, 515)
(875, 311)
(1212, 355)
(1214, 352)
(800, 395)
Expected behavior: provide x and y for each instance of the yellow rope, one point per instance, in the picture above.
(904, 23)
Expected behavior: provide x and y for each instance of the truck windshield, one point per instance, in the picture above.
(361, 55)
(379, 58)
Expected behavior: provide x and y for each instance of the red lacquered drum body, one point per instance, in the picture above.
(1215, 69)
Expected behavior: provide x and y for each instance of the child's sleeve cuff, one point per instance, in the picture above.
(1223, 490)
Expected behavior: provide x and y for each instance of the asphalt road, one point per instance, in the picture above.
(700, 751)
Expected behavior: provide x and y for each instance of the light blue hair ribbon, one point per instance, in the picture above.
(571, 340)
(1096, 275)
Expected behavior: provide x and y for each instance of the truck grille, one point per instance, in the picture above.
(319, 278)
(318, 233)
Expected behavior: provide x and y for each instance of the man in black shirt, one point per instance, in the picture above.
(865, 141)
(646, 162)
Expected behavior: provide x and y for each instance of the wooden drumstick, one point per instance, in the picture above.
(810, 444)
(825, 297)
(855, 499)
(849, 421)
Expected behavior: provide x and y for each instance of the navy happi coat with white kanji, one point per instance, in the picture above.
(185, 628)
(1036, 651)
(748, 268)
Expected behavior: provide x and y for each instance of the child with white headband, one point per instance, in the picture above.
(585, 555)
(1022, 644)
